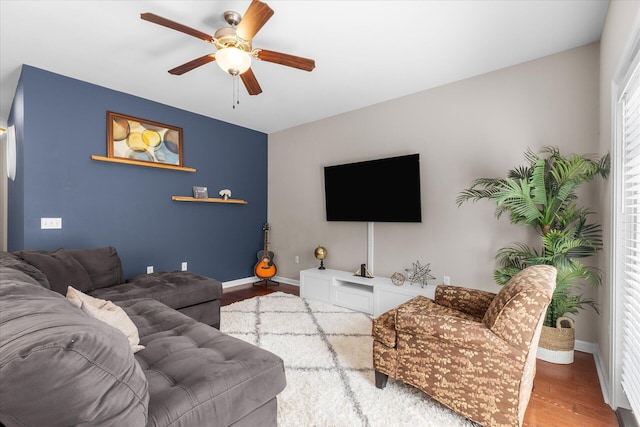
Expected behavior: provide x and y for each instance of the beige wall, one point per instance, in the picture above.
(477, 127)
(622, 16)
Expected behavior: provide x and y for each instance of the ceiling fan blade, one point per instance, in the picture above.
(151, 17)
(286, 59)
(181, 69)
(250, 82)
(254, 18)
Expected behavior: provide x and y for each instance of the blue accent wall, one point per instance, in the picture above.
(60, 122)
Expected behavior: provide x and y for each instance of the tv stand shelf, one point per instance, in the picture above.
(370, 295)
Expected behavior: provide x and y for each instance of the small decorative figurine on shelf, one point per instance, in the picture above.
(200, 192)
(363, 271)
(320, 253)
(398, 279)
(419, 273)
(225, 194)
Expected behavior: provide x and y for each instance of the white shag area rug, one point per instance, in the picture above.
(327, 353)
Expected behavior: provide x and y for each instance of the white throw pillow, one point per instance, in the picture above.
(107, 312)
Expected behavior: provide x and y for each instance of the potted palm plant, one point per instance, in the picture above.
(542, 195)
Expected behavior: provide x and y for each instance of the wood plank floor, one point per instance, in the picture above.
(563, 396)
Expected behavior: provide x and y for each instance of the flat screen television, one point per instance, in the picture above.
(382, 190)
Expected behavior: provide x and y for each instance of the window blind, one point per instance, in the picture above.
(630, 374)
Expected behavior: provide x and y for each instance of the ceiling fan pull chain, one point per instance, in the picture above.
(233, 88)
(236, 91)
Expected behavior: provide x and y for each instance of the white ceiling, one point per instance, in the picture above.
(366, 52)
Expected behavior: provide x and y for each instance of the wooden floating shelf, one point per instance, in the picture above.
(209, 200)
(141, 163)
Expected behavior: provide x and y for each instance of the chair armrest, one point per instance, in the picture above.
(455, 331)
(470, 301)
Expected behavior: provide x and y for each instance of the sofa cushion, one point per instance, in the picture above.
(200, 370)
(62, 270)
(177, 289)
(59, 365)
(107, 312)
(13, 261)
(102, 264)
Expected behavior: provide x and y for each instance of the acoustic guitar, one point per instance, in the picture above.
(265, 268)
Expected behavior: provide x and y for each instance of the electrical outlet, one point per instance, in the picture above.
(446, 280)
(296, 259)
(50, 223)
(184, 266)
(149, 269)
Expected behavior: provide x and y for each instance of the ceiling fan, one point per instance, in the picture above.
(233, 44)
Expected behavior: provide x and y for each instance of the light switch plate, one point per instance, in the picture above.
(50, 223)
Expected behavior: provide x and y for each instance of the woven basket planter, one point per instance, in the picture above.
(556, 344)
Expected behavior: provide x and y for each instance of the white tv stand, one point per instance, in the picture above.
(373, 296)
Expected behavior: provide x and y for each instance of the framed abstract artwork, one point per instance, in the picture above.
(143, 140)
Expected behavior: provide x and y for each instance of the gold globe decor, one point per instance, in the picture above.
(320, 253)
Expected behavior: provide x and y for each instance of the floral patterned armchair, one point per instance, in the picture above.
(472, 350)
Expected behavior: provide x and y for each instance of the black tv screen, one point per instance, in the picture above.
(382, 190)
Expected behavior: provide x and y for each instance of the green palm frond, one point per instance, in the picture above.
(542, 194)
(604, 166)
(531, 156)
(516, 197)
(503, 275)
(517, 250)
(538, 188)
(481, 188)
(474, 194)
(590, 232)
(520, 172)
(562, 305)
(578, 275)
(551, 151)
(487, 182)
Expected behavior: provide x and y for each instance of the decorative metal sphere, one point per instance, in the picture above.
(397, 279)
(320, 253)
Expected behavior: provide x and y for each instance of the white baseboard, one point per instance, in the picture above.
(286, 281)
(586, 347)
(239, 282)
(254, 279)
(591, 347)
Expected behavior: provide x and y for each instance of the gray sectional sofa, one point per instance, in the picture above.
(98, 272)
(59, 366)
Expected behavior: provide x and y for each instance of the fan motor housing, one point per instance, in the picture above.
(233, 18)
(226, 37)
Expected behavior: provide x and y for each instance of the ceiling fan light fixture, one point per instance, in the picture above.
(233, 60)
(234, 46)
